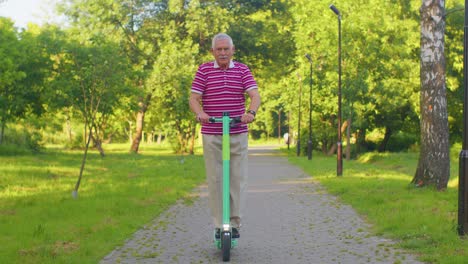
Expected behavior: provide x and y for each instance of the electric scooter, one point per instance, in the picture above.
(225, 242)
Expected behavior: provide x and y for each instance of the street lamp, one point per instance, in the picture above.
(299, 117)
(289, 130)
(463, 158)
(309, 143)
(339, 154)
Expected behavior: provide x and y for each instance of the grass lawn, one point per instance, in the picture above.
(421, 220)
(40, 222)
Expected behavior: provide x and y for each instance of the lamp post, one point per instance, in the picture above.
(309, 143)
(299, 117)
(289, 130)
(463, 158)
(339, 153)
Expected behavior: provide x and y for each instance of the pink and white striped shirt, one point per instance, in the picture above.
(223, 91)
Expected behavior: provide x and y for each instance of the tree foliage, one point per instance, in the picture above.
(24, 72)
(163, 42)
(92, 78)
(12, 100)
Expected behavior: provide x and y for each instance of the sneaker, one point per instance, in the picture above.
(235, 233)
(217, 233)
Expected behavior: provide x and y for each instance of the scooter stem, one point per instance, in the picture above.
(226, 170)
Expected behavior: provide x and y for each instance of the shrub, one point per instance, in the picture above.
(8, 149)
(401, 142)
(19, 137)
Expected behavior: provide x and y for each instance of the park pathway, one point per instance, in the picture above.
(289, 219)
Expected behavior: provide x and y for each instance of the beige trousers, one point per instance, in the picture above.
(212, 149)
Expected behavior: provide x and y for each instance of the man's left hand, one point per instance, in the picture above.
(247, 118)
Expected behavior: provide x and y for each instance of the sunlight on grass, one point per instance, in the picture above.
(377, 185)
(42, 223)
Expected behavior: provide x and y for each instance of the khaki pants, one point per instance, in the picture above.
(212, 148)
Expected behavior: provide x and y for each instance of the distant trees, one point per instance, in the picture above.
(24, 69)
(10, 105)
(161, 43)
(380, 67)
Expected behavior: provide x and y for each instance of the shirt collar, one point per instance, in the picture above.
(231, 64)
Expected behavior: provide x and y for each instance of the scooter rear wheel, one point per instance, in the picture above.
(226, 245)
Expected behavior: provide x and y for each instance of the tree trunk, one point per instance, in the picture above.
(192, 141)
(2, 131)
(129, 134)
(383, 145)
(140, 120)
(360, 140)
(69, 129)
(348, 140)
(332, 150)
(98, 144)
(346, 128)
(324, 146)
(83, 162)
(158, 141)
(434, 159)
(97, 139)
(151, 137)
(138, 132)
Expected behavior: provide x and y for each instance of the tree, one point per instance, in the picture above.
(11, 105)
(454, 75)
(91, 78)
(434, 159)
(165, 40)
(147, 30)
(132, 24)
(24, 68)
(171, 82)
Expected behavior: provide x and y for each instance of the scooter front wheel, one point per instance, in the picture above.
(226, 245)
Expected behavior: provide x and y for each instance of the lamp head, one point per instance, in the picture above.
(335, 10)
(308, 57)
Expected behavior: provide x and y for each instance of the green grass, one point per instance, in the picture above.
(40, 222)
(421, 220)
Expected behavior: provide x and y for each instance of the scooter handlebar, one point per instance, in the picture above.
(232, 121)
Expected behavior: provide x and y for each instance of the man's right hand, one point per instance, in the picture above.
(202, 117)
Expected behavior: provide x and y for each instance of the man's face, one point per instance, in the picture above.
(222, 52)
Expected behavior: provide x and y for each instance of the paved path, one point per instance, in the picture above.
(289, 219)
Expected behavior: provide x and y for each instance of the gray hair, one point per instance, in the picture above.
(221, 36)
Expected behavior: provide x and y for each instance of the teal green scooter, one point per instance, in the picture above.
(225, 242)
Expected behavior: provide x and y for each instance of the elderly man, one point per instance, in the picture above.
(219, 86)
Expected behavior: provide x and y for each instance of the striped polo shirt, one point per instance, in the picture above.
(223, 91)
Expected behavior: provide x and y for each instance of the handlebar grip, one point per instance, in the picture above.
(212, 120)
(235, 121)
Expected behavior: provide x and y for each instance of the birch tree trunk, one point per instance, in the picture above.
(434, 159)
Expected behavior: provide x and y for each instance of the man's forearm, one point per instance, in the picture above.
(255, 101)
(254, 104)
(195, 105)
